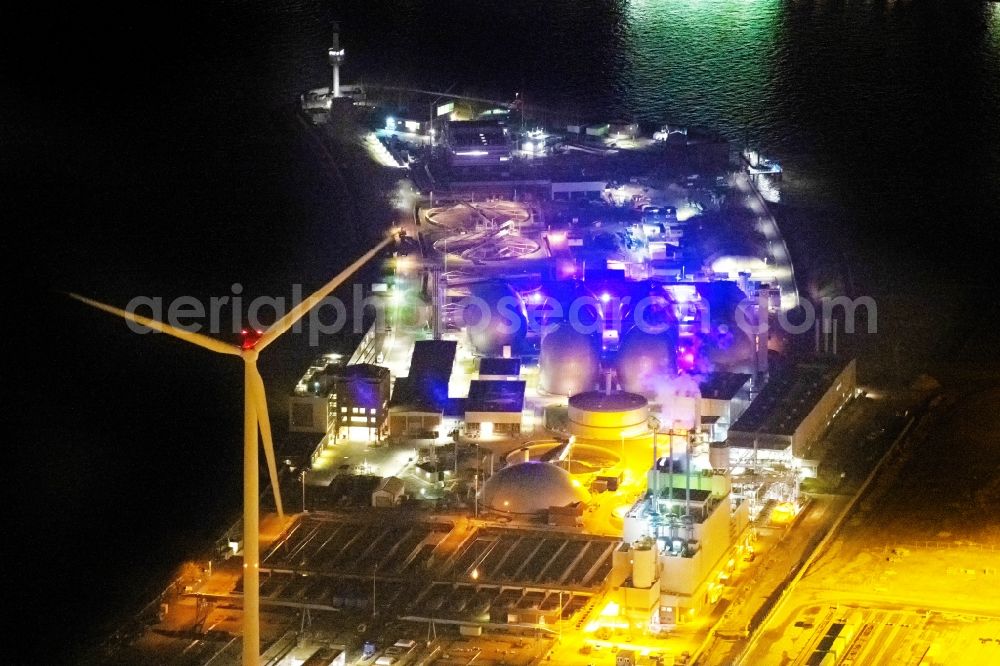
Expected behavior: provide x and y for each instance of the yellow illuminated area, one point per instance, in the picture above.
(783, 513)
(610, 609)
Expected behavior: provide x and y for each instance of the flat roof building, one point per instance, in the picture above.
(420, 400)
(494, 407)
(477, 142)
(499, 368)
(724, 398)
(343, 401)
(794, 409)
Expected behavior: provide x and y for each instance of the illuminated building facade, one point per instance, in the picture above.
(343, 401)
(477, 143)
(420, 400)
(494, 407)
(794, 409)
(693, 523)
(359, 400)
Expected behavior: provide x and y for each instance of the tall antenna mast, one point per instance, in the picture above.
(335, 54)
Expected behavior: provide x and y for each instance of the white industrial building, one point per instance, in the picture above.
(794, 410)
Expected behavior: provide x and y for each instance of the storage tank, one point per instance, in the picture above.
(494, 318)
(569, 362)
(643, 565)
(645, 359)
(718, 455)
(608, 416)
(727, 348)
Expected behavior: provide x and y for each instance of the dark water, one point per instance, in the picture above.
(149, 152)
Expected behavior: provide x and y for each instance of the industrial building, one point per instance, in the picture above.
(342, 401)
(420, 400)
(388, 493)
(794, 409)
(500, 368)
(635, 581)
(494, 407)
(477, 142)
(693, 522)
(724, 398)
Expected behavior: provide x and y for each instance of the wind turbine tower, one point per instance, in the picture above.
(336, 56)
(255, 418)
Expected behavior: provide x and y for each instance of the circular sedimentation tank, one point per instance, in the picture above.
(586, 459)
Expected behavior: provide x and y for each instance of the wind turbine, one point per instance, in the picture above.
(254, 416)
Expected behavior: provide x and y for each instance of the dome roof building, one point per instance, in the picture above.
(569, 362)
(727, 349)
(494, 318)
(645, 359)
(530, 488)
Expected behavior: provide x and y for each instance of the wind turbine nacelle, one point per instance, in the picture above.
(249, 338)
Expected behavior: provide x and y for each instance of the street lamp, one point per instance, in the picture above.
(303, 476)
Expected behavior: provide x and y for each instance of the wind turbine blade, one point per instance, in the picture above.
(203, 341)
(259, 398)
(300, 310)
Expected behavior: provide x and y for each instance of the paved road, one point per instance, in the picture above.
(916, 544)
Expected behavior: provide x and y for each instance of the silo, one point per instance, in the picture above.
(718, 455)
(494, 318)
(643, 565)
(645, 360)
(569, 362)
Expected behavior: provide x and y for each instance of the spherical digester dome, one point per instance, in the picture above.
(645, 359)
(569, 362)
(494, 318)
(531, 488)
